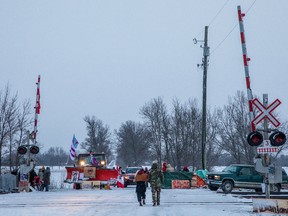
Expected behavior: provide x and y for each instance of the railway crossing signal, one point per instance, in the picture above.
(255, 138)
(277, 138)
(22, 150)
(33, 149)
(266, 112)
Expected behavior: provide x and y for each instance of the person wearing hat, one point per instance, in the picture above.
(156, 179)
(185, 169)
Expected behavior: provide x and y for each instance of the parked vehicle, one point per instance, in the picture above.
(129, 176)
(91, 170)
(241, 176)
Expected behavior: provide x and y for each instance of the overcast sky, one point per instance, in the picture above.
(109, 57)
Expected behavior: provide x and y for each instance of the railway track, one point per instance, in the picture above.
(250, 195)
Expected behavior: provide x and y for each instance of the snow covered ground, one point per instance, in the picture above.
(118, 202)
(62, 200)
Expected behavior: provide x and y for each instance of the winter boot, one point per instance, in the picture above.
(154, 203)
(140, 203)
(143, 201)
(158, 202)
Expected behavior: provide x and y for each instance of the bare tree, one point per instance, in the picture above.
(99, 137)
(133, 146)
(13, 121)
(213, 151)
(180, 135)
(6, 104)
(55, 156)
(185, 133)
(12, 126)
(155, 113)
(235, 128)
(24, 121)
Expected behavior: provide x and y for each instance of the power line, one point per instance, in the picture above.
(218, 13)
(231, 30)
(214, 18)
(224, 39)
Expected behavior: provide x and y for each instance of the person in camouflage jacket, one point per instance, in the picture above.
(156, 179)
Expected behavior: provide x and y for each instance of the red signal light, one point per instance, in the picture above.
(22, 150)
(254, 138)
(277, 138)
(34, 149)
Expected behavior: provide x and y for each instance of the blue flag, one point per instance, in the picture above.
(73, 148)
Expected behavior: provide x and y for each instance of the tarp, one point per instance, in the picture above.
(7, 182)
(202, 173)
(180, 175)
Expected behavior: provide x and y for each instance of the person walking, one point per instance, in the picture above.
(147, 172)
(156, 179)
(46, 179)
(141, 178)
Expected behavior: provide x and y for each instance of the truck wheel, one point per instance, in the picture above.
(227, 187)
(213, 188)
(275, 188)
(258, 190)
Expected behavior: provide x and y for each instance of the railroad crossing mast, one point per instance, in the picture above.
(269, 144)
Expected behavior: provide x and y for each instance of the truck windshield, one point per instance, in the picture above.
(132, 169)
(94, 159)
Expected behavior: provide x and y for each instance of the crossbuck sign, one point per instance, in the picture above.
(266, 112)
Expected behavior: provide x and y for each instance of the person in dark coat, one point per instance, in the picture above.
(46, 179)
(32, 175)
(156, 179)
(141, 178)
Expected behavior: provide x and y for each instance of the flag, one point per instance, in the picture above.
(120, 182)
(94, 161)
(73, 148)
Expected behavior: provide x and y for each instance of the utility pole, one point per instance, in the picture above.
(205, 66)
(266, 157)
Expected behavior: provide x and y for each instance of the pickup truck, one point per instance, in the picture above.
(241, 176)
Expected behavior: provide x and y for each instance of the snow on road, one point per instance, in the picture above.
(118, 202)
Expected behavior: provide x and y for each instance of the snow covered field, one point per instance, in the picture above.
(62, 200)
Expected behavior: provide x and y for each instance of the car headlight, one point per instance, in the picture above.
(126, 177)
(102, 163)
(217, 177)
(82, 163)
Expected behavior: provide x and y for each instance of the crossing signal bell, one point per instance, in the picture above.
(255, 138)
(277, 138)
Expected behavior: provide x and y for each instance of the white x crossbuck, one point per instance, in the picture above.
(266, 112)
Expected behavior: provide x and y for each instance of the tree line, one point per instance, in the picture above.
(171, 135)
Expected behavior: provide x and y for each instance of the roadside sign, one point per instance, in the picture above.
(263, 150)
(266, 112)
